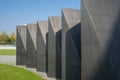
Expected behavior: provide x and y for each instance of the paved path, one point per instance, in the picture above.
(7, 47)
(8, 60)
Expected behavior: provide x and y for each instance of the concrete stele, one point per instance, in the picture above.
(42, 30)
(71, 49)
(31, 45)
(100, 34)
(21, 45)
(54, 47)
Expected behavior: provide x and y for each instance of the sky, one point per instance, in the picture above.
(20, 12)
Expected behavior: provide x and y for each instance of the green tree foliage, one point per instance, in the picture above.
(0, 39)
(7, 39)
(13, 37)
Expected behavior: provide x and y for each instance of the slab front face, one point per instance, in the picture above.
(31, 45)
(54, 47)
(21, 45)
(42, 29)
(71, 53)
(100, 34)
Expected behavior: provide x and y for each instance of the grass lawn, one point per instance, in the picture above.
(7, 52)
(8, 72)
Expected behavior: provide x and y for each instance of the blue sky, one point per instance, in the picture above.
(19, 12)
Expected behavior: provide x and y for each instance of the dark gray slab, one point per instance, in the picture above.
(100, 34)
(31, 45)
(21, 45)
(42, 29)
(71, 49)
(54, 47)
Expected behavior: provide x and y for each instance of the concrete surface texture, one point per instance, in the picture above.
(100, 34)
(31, 45)
(42, 41)
(71, 49)
(54, 47)
(21, 45)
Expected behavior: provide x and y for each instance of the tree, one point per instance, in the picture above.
(13, 37)
(4, 37)
(7, 39)
(0, 39)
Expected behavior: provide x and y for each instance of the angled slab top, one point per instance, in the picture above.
(71, 16)
(32, 28)
(103, 15)
(21, 29)
(43, 26)
(55, 23)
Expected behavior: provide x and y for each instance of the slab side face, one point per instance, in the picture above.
(100, 39)
(42, 29)
(71, 53)
(54, 47)
(21, 45)
(31, 45)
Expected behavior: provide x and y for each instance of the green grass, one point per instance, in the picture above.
(8, 72)
(7, 52)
